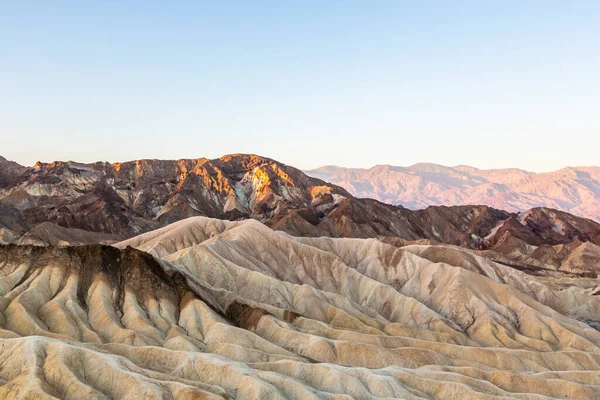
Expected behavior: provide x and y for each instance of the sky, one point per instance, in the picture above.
(490, 84)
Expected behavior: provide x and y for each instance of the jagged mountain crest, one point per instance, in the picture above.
(130, 197)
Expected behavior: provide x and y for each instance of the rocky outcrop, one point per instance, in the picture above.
(125, 199)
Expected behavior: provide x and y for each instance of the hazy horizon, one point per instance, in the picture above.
(309, 169)
(510, 85)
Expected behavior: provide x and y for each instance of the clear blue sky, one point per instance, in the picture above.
(353, 83)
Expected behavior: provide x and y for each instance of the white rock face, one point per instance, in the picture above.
(575, 190)
(237, 310)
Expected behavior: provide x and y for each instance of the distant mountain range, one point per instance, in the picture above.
(572, 189)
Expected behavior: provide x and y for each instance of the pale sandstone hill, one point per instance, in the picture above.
(575, 190)
(237, 310)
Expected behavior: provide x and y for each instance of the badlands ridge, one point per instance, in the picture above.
(206, 308)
